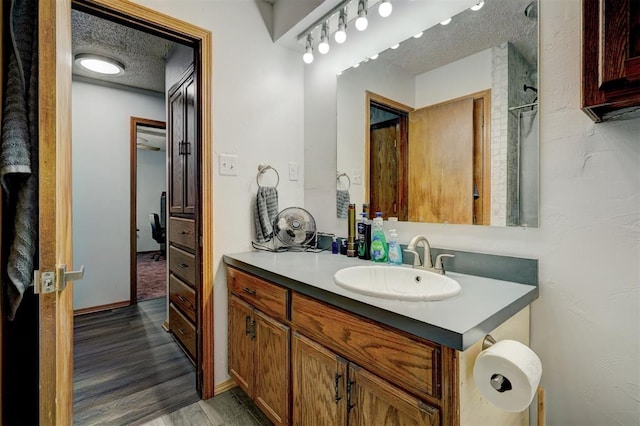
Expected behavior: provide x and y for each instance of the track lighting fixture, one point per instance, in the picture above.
(446, 21)
(478, 5)
(323, 46)
(395, 46)
(341, 35)
(362, 23)
(419, 34)
(308, 52)
(374, 56)
(385, 8)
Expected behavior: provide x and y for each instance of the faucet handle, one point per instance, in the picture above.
(439, 266)
(416, 258)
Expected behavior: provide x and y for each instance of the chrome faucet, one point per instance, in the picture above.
(426, 264)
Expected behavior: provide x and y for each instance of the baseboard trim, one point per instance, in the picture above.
(101, 308)
(224, 386)
(165, 325)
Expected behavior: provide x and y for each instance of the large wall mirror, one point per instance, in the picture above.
(444, 128)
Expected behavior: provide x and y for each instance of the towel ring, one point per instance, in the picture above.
(348, 180)
(262, 169)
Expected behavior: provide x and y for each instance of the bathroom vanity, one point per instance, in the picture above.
(310, 352)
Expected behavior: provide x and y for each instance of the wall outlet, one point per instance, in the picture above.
(228, 164)
(293, 170)
(357, 177)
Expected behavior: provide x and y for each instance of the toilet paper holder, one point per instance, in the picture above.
(498, 382)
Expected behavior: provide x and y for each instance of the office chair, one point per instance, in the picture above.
(158, 233)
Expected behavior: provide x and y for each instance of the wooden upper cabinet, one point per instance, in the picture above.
(183, 194)
(610, 58)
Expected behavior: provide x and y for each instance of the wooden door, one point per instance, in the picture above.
(271, 368)
(55, 225)
(441, 163)
(376, 402)
(240, 343)
(319, 385)
(176, 138)
(191, 147)
(384, 168)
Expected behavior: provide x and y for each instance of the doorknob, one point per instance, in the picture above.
(49, 282)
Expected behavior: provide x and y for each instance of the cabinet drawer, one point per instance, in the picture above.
(183, 296)
(183, 330)
(183, 265)
(182, 232)
(268, 298)
(413, 364)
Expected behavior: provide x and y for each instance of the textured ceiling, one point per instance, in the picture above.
(143, 55)
(470, 32)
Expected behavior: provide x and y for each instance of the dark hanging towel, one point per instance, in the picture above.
(19, 153)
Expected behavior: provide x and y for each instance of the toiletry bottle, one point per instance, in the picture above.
(364, 237)
(395, 252)
(351, 235)
(378, 240)
(334, 245)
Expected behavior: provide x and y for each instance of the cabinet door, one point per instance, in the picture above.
(240, 343)
(176, 134)
(190, 148)
(271, 367)
(374, 401)
(319, 391)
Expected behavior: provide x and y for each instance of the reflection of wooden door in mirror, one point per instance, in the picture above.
(388, 184)
(441, 163)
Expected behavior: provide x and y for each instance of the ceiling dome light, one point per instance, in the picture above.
(395, 46)
(341, 35)
(362, 22)
(385, 8)
(323, 46)
(99, 64)
(419, 34)
(446, 21)
(477, 6)
(308, 52)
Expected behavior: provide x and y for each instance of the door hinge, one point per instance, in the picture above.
(49, 281)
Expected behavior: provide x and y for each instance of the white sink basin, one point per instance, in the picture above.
(395, 282)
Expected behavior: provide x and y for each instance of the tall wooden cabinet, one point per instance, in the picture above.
(610, 58)
(183, 223)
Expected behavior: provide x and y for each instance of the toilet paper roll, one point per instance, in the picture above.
(507, 375)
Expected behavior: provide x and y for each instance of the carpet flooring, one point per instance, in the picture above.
(152, 276)
(127, 369)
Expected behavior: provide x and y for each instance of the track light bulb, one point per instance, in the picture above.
(323, 46)
(446, 21)
(374, 56)
(362, 22)
(341, 35)
(395, 46)
(308, 52)
(477, 6)
(385, 8)
(419, 34)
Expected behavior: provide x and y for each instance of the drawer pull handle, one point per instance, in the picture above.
(183, 265)
(247, 325)
(182, 299)
(185, 233)
(181, 331)
(249, 291)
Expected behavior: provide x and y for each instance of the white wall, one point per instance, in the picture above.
(460, 78)
(101, 182)
(586, 324)
(151, 181)
(257, 115)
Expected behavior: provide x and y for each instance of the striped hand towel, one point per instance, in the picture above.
(265, 213)
(342, 203)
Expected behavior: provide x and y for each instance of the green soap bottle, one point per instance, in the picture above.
(378, 241)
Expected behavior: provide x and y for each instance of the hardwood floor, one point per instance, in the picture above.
(127, 369)
(231, 408)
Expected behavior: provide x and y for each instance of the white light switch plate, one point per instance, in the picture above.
(228, 164)
(293, 171)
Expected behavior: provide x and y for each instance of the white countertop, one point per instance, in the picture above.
(457, 322)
